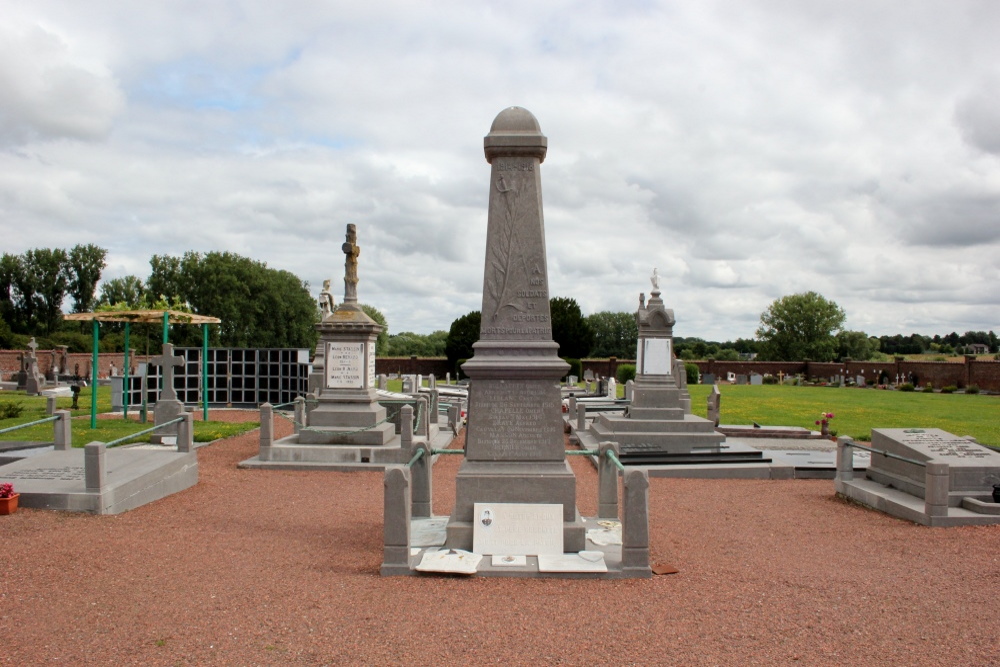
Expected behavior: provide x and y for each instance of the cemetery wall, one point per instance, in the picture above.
(437, 366)
(9, 364)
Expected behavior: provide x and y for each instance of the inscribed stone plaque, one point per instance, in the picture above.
(345, 365)
(655, 353)
(371, 370)
(517, 529)
(511, 423)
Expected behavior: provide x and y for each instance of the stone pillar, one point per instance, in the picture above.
(299, 414)
(50, 405)
(629, 388)
(936, 484)
(420, 476)
(435, 405)
(425, 421)
(845, 459)
(396, 521)
(95, 466)
(581, 416)
(607, 482)
(571, 405)
(266, 431)
(432, 381)
(185, 433)
(406, 427)
(454, 415)
(447, 378)
(635, 524)
(63, 436)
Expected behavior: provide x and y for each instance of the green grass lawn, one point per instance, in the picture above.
(107, 429)
(857, 411)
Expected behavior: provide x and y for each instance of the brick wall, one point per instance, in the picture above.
(9, 364)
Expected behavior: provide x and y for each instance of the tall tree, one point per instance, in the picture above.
(569, 328)
(258, 306)
(41, 287)
(615, 334)
(463, 333)
(382, 342)
(86, 262)
(128, 290)
(800, 327)
(856, 345)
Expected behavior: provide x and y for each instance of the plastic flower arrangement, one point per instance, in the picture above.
(6, 490)
(824, 418)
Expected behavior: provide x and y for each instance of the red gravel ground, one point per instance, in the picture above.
(263, 567)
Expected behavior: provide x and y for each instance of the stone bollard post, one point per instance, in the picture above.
(420, 479)
(435, 405)
(629, 388)
(581, 417)
(845, 459)
(396, 521)
(447, 378)
(95, 466)
(299, 414)
(50, 405)
(454, 414)
(571, 405)
(62, 437)
(635, 524)
(936, 484)
(185, 433)
(406, 427)
(432, 382)
(607, 482)
(266, 431)
(425, 423)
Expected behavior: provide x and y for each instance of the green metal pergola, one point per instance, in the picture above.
(167, 317)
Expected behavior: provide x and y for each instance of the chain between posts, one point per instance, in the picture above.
(888, 454)
(143, 432)
(34, 423)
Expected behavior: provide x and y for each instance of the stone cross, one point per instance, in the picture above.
(781, 377)
(351, 252)
(33, 345)
(166, 362)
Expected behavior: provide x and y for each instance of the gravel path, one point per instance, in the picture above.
(272, 567)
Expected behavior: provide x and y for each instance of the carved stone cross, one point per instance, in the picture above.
(351, 252)
(34, 346)
(166, 362)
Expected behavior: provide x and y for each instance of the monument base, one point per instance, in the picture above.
(551, 482)
(164, 411)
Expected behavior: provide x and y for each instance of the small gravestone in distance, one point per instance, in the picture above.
(741, 379)
(34, 381)
(588, 375)
(714, 405)
(708, 378)
(756, 379)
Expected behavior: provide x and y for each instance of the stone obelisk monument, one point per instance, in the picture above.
(515, 452)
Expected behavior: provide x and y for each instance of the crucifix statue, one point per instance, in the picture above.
(166, 362)
(351, 252)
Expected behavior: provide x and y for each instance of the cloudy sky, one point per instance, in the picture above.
(747, 149)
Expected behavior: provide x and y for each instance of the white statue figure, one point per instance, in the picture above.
(326, 299)
(655, 279)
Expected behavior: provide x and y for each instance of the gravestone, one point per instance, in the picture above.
(756, 379)
(515, 451)
(741, 379)
(34, 382)
(708, 378)
(714, 405)
(629, 390)
(859, 380)
(612, 389)
(588, 375)
(658, 422)
(167, 407)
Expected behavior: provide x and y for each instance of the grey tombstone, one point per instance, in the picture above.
(167, 407)
(708, 378)
(572, 380)
(408, 384)
(117, 392)
(515, 452)
(756, 379)
(629, 390)
(588, 375)
(714, 405)
(383, 382)
(859, 380)
(741, 379)
(34, 381)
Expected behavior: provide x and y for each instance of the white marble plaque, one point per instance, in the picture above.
(585, 561)
(454, 561)
(345, 366)
(517, 529)
(655, 356)
(371, 369)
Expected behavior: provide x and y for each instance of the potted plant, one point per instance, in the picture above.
(824, 423)
(8, 499)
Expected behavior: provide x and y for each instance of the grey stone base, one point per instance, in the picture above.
(905, 506)
(55, 480)
(377, 436)
(435, 539)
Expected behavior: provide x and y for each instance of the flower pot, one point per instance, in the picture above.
(9, 505)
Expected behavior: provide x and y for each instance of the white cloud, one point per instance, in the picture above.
(748, 150)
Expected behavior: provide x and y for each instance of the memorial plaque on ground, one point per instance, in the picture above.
(973, 469)
(517, 529)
